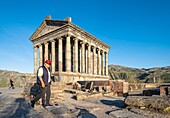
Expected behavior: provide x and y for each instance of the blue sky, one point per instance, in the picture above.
(138, 31)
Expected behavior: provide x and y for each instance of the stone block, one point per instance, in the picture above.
(125, 87)
(163, 91)
(100, 89)
(107, 89)
(87, 95)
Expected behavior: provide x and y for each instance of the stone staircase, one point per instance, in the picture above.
(57, 90)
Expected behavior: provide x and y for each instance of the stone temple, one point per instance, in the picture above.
(76, 55)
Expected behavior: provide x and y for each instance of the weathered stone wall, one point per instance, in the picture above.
(146, 102)
(133, 86)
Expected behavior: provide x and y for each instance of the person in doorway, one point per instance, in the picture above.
(44, 81)
(11, 83)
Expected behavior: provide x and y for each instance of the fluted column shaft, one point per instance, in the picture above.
(53, 56)
(82, 58)
(46, 51)
(99, 63)
(41, 55)
(95, 60)
(89, 59)
(68, 54)
(106, 63)
(75, 55)
(102, 62)
(35, 59)
(60, 55)
(92, 60)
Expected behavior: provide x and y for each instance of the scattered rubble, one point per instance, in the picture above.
(156, 103)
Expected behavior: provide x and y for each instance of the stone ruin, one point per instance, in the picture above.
(154, 97)
(76, 54)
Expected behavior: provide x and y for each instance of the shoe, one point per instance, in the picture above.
(31, 104)
(56, 104)
(48, 105)
(43, 106)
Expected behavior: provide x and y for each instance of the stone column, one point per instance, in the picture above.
(41, 55)
(46, 50)
(60, 55)
(53, 55)
(89, 59)
(106, 63)
(95, 61)
(85, 57)
(102, 62)
(35, 59)
(68, 54)
(92, 60)
(82, 58)
(99, 62)
(76, 55)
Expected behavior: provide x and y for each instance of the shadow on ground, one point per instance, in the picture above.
(117, 103)
(22, 110)
(85, 114)
(136, 94)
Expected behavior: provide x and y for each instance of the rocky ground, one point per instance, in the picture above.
(14, 105)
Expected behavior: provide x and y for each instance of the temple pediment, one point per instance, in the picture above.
(46, 27)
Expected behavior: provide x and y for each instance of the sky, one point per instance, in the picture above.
(138, 31)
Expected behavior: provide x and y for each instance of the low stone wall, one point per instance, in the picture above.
(133, 86)
(157, 103)
(117, 87)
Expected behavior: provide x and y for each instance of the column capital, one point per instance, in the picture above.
(106, 52)
(46, 42)
(97, 49)
(53, 40)
(82, 42)
(60, 38)
(35, 46)
(39, 45)
(75, 38)
(88, 44)
(102, 51)
(67, 35)
(92, 47)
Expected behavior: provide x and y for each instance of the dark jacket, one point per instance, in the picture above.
(44, 76)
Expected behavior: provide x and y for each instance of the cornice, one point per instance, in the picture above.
(67, 29)
(88, 35)
(38, 30)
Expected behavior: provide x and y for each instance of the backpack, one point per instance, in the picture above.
(35, 90)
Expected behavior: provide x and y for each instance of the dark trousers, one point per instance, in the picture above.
(44, 93)
(46, 96)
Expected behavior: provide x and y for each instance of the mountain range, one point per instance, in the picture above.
(132, 75)
(135, 75)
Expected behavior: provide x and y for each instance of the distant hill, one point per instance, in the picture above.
(135, 75)
(20, 79)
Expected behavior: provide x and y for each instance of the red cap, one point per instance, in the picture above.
(48, 62)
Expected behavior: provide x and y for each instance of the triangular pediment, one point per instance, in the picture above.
(46, 27)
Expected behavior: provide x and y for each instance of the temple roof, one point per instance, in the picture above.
(49, 25)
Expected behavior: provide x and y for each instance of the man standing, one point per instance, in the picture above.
(44, 81)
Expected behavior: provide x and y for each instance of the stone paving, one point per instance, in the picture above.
(14, 105)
